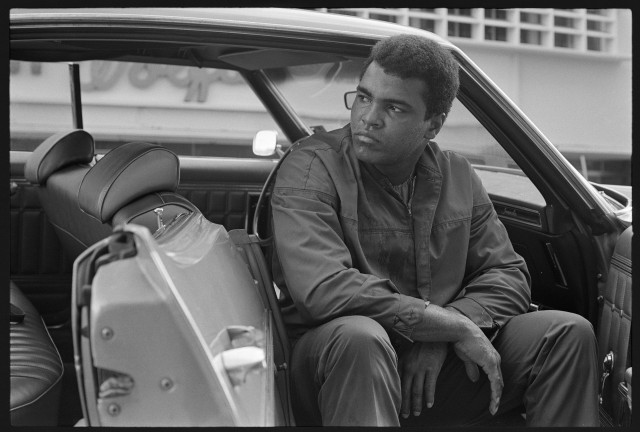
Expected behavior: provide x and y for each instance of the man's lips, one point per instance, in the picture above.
(365, 138)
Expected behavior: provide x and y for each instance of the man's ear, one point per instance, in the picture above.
(435, 124)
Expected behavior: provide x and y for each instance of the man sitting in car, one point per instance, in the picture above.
(405, 301)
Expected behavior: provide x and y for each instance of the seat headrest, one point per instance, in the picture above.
(58, 151)
(126, 173)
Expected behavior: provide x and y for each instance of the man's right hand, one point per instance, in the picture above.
(469, 342)
(476, 350)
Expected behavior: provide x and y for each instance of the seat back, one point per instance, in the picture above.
(84, 202)
(614, 332)
(57, 167)
(130, 183)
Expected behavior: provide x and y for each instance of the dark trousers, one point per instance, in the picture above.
(345, 373)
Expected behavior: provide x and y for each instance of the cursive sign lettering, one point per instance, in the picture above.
(103, 75)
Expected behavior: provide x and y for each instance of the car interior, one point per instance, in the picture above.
(66, 196)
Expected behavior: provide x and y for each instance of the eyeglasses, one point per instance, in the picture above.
(349, 99)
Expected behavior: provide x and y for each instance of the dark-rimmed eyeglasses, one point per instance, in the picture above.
(349, 99)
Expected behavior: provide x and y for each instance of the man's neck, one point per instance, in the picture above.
(397, 175)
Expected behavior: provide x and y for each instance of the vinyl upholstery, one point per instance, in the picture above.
(83, 202)
(57, 167)
(58, 151)
(35, 368)
(126, 173)
(614, 329)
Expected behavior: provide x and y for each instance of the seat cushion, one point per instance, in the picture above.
(35, 368)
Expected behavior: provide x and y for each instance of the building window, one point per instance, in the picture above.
(531, 18)
(383, 17)
(563, 40)
(424, 24)
(462, 30)
(495, 33)
(531, 37)
(597, 26)
(343, 12)
(459, 12)
(595, 44)
(560, 21)
(584, 30)
(496, 14)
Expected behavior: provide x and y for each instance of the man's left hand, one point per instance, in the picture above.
(419, 368)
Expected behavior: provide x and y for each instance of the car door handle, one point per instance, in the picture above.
(13, 188)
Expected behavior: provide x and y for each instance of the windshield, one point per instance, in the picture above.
(316, 91)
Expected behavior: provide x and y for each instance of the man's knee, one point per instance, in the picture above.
(574, 326)
(359, 335)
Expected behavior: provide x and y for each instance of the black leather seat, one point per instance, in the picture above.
(35, 366)
(130, 182)
(84, 201)
(57, 167)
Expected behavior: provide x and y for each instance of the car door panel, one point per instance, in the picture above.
(614, 334)
(559, 256)
(38, 264)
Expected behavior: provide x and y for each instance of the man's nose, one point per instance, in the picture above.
(371, 116)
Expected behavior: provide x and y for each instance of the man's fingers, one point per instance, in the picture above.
(406, 395)
(430, 389)
(495, 380)
(416, 395)
(472, 370)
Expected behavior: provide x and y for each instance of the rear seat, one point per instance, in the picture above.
(85, 202)
(35, 366)
(57, 167)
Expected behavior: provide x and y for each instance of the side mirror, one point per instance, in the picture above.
(265, 143)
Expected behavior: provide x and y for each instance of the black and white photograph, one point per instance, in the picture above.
(295, 216)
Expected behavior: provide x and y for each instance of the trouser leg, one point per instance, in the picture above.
(345, 373)
(552, 355)
(548, 364)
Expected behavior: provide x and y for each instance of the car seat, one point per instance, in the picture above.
(35, 366)
(57, 167)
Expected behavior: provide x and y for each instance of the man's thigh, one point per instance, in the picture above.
(550, 357)
(345, 372)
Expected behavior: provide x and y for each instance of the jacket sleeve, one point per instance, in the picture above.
(496, 285)
(315, 261)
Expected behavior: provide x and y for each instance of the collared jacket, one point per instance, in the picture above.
(347, 244)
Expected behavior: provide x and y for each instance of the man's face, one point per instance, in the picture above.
(388, 122)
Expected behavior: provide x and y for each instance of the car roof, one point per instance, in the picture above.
(208, 33)
(298, 20)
